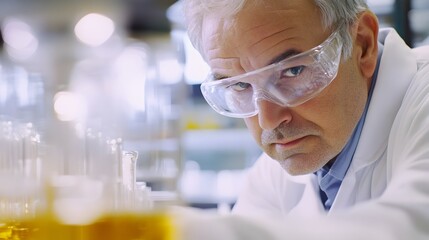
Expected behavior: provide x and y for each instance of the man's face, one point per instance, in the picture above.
(302, 138)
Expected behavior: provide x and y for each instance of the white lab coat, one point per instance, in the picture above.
(385, 193)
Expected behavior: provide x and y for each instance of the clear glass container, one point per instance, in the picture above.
(72, 124)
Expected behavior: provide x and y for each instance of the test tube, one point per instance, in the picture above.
(129, 160)
(127, 177)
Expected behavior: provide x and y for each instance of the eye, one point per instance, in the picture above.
(240, 86)
(292, 72)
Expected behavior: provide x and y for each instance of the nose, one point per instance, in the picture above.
(271, 115)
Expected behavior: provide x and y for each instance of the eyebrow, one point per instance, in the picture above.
(279, 58)
(283, 56)
(217, 76)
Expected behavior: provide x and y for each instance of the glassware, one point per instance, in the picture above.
(20, 187)
(74, 178)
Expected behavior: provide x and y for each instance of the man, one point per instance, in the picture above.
(340, 109)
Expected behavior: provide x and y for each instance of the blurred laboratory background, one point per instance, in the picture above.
(77, 77)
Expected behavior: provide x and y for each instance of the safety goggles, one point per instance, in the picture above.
(287, 83)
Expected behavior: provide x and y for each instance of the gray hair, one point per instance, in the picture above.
(335, 13)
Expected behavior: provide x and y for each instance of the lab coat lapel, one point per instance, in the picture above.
(310, 203)
(397, 68)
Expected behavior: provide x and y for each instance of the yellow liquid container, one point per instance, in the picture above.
(126, 226)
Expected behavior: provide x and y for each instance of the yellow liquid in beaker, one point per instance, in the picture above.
(149, 226)
(17, 230)
(5, 231)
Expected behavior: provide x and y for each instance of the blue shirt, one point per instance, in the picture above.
(330, 178)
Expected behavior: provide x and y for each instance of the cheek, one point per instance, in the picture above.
(254, 128)
(329, 111)
(338, 109)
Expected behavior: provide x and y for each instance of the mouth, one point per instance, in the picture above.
(288, 144)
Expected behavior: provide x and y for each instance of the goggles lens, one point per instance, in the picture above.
(288, 83)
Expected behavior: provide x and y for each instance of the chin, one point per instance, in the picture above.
(295, 166)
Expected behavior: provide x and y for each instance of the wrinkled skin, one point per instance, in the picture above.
(306, 137)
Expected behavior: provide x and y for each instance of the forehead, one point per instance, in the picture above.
(259, 32)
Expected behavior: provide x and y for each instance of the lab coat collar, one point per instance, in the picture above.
(310, 203)
(397, 68)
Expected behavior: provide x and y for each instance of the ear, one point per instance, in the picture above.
(366, 43)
